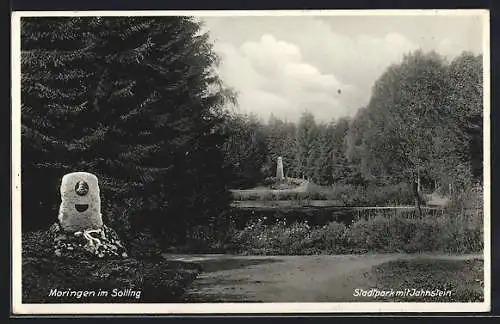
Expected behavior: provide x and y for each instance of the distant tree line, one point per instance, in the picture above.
(422, 125)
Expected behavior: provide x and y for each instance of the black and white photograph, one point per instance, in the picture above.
(250, 161)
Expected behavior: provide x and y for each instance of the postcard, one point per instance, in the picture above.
(238, 162)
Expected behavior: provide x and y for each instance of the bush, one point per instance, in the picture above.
(294, 239)
(397, 233)
(426, 237)
(145, 246)
(463, 226)
(399, 194)
(403, 231)
(38, 244)
(286, 183)
(297, 238)
(347, 195)
(457, 238)
(278, 238)
(385, 232)
(332, 237)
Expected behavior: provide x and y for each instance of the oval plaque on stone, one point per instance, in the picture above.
(80, 207)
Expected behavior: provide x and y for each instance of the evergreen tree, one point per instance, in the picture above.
(276, 142)
(281, 137)
(245, 150)
(55, 109)
(340, 165)
(134, 100)
(304, 145)
(323, 166)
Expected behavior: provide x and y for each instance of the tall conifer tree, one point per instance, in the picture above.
(134, 100)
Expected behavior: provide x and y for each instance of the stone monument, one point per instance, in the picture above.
(80, 207)
(279, 169)
(80, 231)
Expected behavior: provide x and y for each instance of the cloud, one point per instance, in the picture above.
(285, 65)
(449, 48)
(271, 76)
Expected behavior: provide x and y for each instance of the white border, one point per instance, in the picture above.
(18, 308)
(241, 13)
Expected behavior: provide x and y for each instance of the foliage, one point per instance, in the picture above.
(134, 100)
(423, 124)
(386, 231)
(145, 245)
(422, 118)
(283, 184)
(138, 102)
(345, 195)
(157, 281)
(245, 150)
(309, 150)
(465, 77)
(38, 244)
(460, 277)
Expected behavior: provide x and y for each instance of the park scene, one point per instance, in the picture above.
(175, 160)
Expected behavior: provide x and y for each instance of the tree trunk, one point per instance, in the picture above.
(417, 198)
(418, 180)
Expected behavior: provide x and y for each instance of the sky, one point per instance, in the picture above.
(325, 65)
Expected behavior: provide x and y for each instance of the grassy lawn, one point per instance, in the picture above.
(344, 195)
(463, 278)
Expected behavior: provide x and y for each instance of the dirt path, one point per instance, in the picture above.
(325, 278)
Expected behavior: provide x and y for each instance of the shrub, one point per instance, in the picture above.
(144, 245)
(457, 238)
(333, 237)
(286, 183)
(37, 243)
(293, 239)
(358, 235)
(348, 195)
(403, 231)
(399, 194)
(425, 238)
(385, 232)
(462, 222)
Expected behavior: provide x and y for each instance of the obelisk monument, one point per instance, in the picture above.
(279, 169)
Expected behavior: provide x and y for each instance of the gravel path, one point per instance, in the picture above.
(323, 278)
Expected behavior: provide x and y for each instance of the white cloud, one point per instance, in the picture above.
(284, 65)
(449, 48)
(271, 77)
